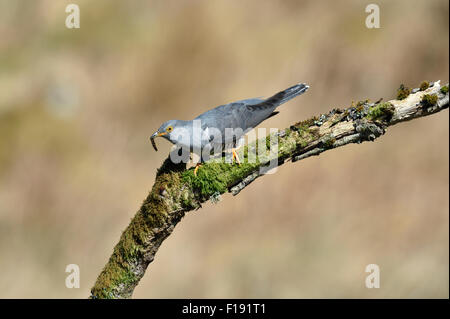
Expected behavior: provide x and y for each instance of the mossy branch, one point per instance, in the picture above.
(177, 191)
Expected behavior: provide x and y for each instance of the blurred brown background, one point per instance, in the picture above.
(77, 107)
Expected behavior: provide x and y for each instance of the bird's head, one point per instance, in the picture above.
(170, 130)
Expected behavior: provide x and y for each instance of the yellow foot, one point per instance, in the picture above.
(196, 168)
(235, 156)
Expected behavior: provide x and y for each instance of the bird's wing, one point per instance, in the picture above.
(247, 114)
(223, 116)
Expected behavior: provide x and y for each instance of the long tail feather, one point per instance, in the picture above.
(282, 97)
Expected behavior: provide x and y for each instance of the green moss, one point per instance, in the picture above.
(210, 178)
(403, 92)
(444, 89)
(111, 278)
(117, 271)
(381, 111)
(424, 85)
(303, 128)
(429, 100)
(187, 202)
(306, 130)
(206, 181)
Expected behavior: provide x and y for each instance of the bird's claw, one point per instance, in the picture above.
(196, 168)
(235, 156)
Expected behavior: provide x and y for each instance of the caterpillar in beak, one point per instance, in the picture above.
(152, 139)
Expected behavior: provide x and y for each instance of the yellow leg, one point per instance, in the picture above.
(235, 156)
(196, 168)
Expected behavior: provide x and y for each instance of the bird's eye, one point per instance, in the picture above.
(169, 129)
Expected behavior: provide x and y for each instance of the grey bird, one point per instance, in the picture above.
(213, 126)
